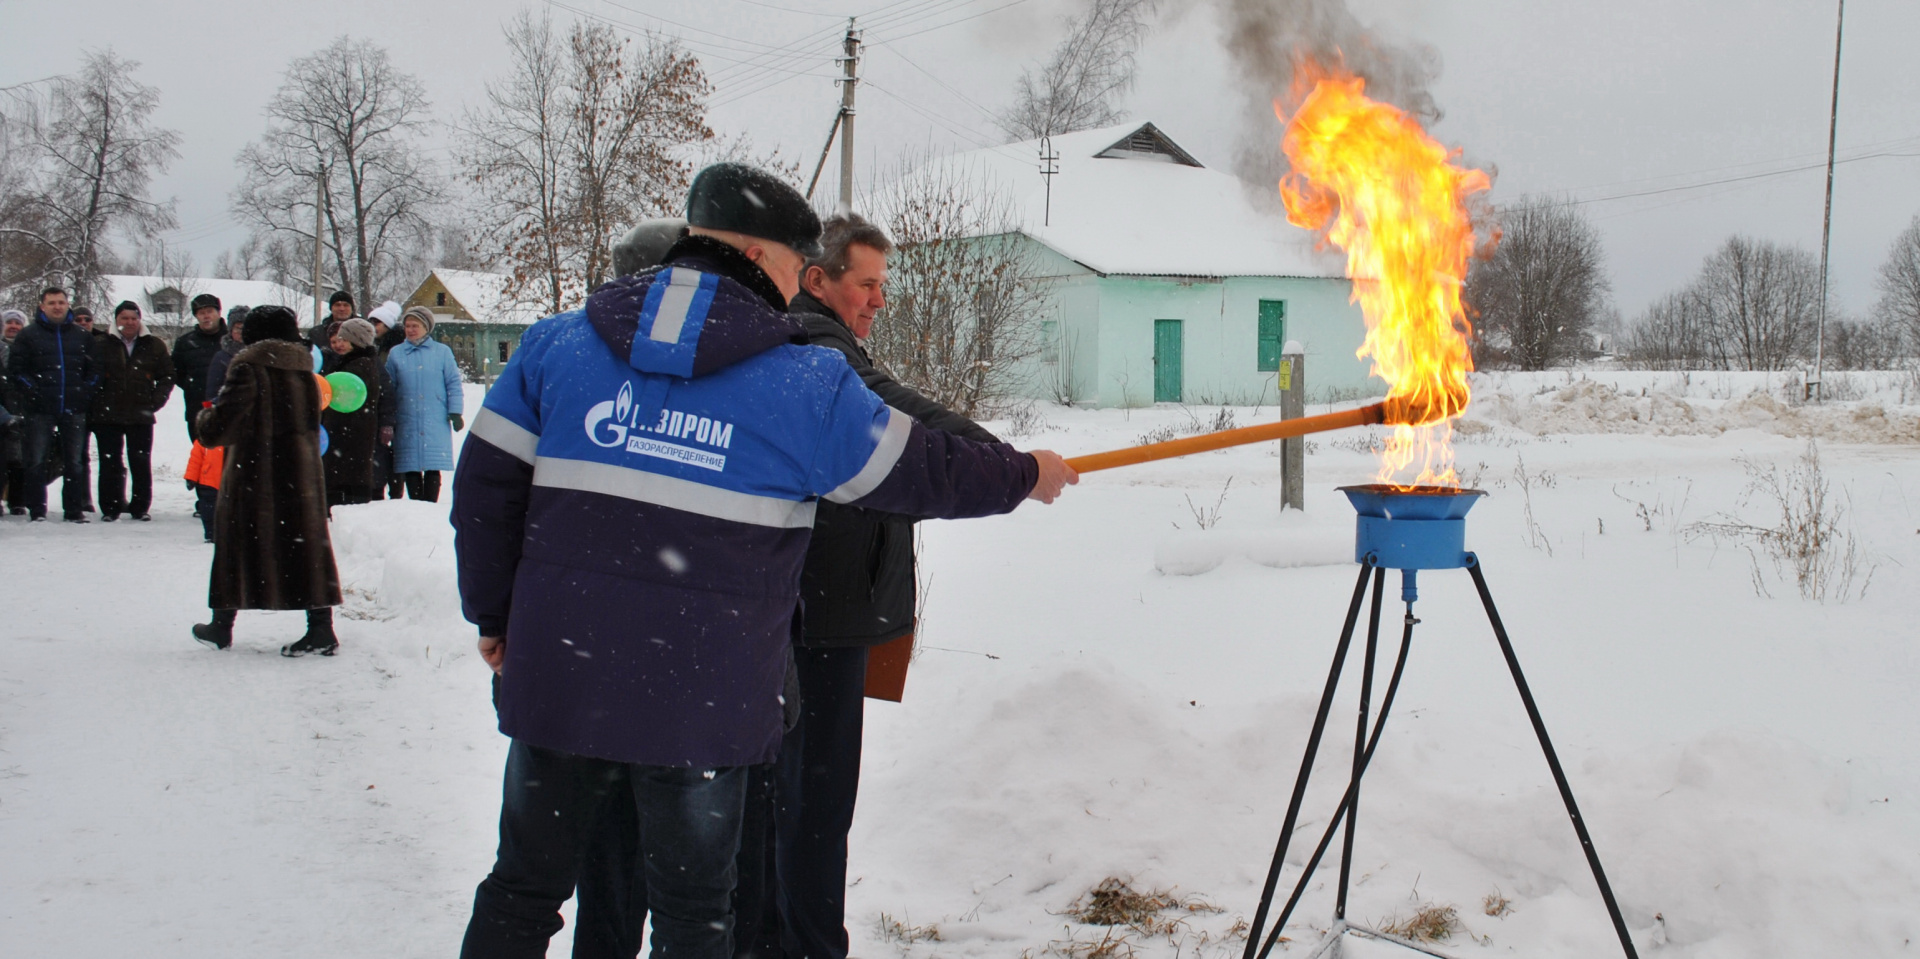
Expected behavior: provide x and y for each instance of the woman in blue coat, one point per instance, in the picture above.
(426, 383)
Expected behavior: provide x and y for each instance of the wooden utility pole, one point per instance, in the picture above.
(319, 201)
(1826, 222)
(851, 62)
(1293, 405)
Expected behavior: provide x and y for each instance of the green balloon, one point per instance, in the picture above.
(349, 392)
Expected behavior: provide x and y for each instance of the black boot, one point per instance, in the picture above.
(219, 633)
(319, 637)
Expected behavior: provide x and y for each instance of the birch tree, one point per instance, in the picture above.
(1078, 86)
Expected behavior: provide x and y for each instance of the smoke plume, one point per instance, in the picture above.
(1267, 39)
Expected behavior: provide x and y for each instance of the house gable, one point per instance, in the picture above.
(1148, 143)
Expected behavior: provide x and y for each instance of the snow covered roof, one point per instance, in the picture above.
(484, 296)
(162, 297)
(1129, 200)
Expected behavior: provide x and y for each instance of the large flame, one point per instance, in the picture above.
(1390, 196)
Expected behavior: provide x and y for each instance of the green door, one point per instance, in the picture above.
(1167, 361)
(1273, 334)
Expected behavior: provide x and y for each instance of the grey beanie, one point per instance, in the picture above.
(420, 313)
(358, 332)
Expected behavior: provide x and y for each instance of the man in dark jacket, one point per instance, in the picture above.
(192, 351)
(52, 367)
(339, 310)
(858, 591)
(136, 376)
(631, 510)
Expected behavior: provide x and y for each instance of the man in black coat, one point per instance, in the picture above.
(193, 351)
(858, 591)
(136, 376)
(53, 371)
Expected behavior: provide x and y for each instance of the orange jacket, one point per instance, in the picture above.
(205, 463)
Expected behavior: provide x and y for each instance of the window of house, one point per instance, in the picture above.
(506, 349)
(1272, 334)
(167, 301)
(1049, 341)
(440, 299)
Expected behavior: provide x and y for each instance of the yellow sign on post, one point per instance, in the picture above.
(1286, 375)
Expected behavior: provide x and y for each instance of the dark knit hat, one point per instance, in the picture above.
(340, 296)
(203, 301)
(742, 199)
(80, 311)
(646, 245)
(236, 315)
(270, 323)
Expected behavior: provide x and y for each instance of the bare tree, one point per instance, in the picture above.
(583, 136)
(1543, 288)
(1899, 284)
(1752, 307)
(1861, 344)
(1674, 334)
(90, 152)
(1076, 88)
(1762, 299)
(964, 299)
(344, 129)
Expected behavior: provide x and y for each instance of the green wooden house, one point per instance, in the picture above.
(1165, 281)
(475, 318)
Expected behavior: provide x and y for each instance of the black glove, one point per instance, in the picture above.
(459, 423)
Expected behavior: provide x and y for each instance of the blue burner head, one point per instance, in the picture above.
(1421, 528)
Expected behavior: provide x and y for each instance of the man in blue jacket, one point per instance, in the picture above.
(632, 509)
(53, 370)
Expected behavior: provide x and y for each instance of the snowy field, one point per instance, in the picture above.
(1105, 689)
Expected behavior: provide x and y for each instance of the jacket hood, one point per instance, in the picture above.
(700, 312)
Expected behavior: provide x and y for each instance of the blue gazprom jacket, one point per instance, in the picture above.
(633, 505)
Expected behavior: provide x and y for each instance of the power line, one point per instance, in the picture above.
(943, 84)
(1738, 179)
(942, 26)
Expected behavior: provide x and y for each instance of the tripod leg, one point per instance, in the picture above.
(1306, 761)
(1339, 814)
(1553, 759)
(1359, 744)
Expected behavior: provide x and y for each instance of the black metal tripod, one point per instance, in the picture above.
(1364, 743)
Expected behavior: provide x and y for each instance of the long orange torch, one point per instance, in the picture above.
(1391, 411)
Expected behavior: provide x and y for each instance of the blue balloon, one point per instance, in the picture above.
(323, 441)
(319, 359)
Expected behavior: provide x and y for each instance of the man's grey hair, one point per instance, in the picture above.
(841, 232)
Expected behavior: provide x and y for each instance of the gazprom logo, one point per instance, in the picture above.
(615, 423)
(617, 410)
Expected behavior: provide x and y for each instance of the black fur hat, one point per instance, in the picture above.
(742, 199)
(270, 323)
(203, 301)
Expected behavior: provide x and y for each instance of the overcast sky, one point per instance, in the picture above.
(1595, 101)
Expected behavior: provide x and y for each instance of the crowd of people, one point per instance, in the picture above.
(72, 387)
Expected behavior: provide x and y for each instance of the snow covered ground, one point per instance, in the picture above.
(1105, 689)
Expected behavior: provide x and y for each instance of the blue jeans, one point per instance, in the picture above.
(71, 431)
(555, 812)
